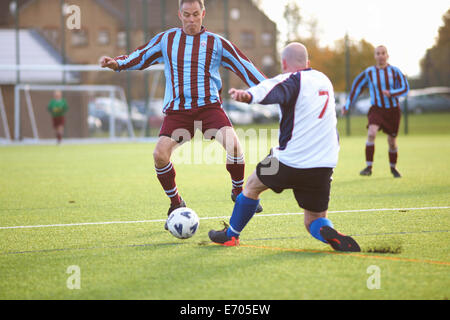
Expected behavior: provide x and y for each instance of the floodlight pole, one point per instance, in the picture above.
(128, 32)
(226, 14)
(347, 79)
(406, 113)
(112, 115)
(146, 76)
(15, 7)
(63, 39)
(163, 14)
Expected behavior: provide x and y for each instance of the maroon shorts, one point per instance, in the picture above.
(387, 119)
(181, 125)
(58, 121)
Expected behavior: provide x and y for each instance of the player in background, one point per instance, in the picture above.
(57, 108)
(386, 84)
(307, 152)
(192, 57)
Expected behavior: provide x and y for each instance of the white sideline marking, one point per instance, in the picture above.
(214, 218)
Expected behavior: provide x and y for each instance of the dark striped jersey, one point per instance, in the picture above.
(192, 66)
(376, 80)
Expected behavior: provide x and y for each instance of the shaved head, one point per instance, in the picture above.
(294, 57)
(381, 48)
(381, 56)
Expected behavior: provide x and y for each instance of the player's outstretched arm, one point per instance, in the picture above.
(283, 89)
(108, 62)
(359, 84)
(233, 59)
(143, 57)
(240, 95)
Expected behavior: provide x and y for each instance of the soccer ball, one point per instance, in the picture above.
(183, 223)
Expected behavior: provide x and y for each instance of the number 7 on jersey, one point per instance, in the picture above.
(324, 93)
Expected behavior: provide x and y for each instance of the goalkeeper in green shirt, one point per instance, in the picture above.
(58, 108)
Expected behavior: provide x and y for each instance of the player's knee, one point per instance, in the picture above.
(161, 157)
(253, 187)
(392, 142)
(251, 193)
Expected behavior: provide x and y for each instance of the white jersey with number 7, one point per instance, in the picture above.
(308, 134)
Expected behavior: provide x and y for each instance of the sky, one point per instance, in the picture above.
(406, 28)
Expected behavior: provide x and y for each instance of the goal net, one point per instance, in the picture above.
(95, 111)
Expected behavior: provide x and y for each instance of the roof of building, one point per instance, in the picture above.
(34, 50)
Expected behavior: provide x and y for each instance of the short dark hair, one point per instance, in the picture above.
(201, 2)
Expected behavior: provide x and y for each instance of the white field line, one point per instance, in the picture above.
(215, 218)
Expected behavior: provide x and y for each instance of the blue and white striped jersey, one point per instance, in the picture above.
(192, 66)
(377, 80)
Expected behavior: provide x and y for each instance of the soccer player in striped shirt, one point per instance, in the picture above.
(192, 58)
(386, 84)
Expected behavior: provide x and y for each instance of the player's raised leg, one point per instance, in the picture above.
(321, 228)
(393, 156)
(370, 149)
(244, 210)
(227, 137)
(165, 170)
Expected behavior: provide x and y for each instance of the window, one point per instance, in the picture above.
(103, 37)
(235, 14)
(266, 38)
(268, 61)
(122, 39)
(247, 39)
(79, 38)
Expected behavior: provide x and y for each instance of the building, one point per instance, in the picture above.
(105, 25)
(35, 50)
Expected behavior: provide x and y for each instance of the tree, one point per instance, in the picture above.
(293, 19)
(361, 56)
(331, 61)
(257, 3)
(435, 66)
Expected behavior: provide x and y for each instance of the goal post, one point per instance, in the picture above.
(102, 103)
(4, 127)
(111, 92)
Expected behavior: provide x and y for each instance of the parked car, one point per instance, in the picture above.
(436, 99)
(340, 100)
(153, 112)
(94, 124)
(243, 113)
(238, 112)
(265, 113)
(362, 106)
(102, 107)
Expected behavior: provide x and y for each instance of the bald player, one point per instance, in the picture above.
(307, 152)
(386, 84)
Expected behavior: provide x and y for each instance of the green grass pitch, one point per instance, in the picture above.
(101, 208)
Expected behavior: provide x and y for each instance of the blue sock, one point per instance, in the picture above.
(243, 211)
(315, 226)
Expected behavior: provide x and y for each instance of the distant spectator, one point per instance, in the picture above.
(58, 108)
